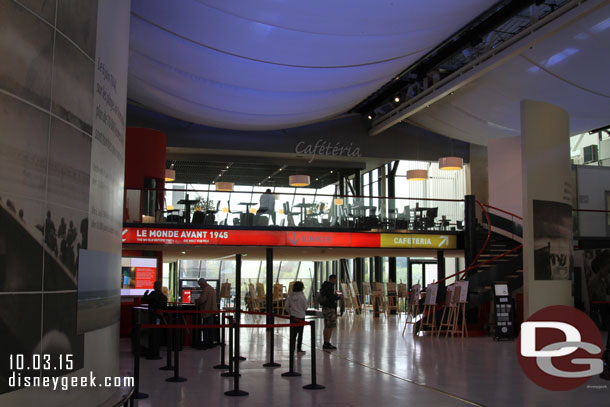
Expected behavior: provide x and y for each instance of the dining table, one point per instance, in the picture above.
(187, 207)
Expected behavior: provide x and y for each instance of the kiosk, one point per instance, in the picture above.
(505, 315)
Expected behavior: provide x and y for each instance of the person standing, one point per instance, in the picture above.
(328, 300)
(206, 302)
(267, 204)
(156, 301)
(296, 305)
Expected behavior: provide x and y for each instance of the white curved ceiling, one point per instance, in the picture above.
(568, 69)
(276, 64)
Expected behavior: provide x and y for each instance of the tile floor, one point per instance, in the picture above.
(374, 365)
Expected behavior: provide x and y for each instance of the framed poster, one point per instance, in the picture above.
(431, 294)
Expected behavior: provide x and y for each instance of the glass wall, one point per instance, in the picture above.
(252, 271)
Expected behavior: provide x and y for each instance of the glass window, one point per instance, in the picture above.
(431, 273)
(418, 273)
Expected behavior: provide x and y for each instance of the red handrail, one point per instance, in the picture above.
(502, 210)
(488, 234)
(514, 249)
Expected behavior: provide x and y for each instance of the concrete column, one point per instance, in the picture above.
(547, 199)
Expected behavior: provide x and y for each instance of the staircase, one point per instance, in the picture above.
(507, 269)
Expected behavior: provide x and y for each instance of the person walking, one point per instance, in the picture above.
(296, 305)
(206, 302)
(328, 300)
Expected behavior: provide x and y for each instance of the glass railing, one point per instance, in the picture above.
(296, 209)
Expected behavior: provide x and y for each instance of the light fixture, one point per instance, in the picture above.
(338, 201)
(170, 175)
(396, 99)
(225, 210)
(298, 180)
(170, 207)
(450, 163)
(224, 186)
(183, 252)
(417, 175)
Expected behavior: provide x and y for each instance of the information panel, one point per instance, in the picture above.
(142, 235)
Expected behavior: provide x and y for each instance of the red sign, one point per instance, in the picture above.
(145, 277)
(251, 237)
(186, 296)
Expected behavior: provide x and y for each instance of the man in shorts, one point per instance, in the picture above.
(329, 309)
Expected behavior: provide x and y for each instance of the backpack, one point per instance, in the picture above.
(322, 300)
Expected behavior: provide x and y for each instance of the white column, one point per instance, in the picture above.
(547, 198)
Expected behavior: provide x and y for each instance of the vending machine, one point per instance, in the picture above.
(504, 312)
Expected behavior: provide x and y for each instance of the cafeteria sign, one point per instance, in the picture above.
(412, 241)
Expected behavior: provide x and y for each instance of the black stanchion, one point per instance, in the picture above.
(271, 345)
(230, 373)
(222, 364)
(168, 344)
(177, 340)
(236, 391)
(313, 385)
(136, 364)
(291, 372)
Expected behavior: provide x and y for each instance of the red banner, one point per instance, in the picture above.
(267, 238)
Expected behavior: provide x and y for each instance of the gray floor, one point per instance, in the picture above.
(374, 364)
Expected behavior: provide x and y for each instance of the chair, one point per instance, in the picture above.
(289, 214)
(444, 222)
(236, 221)
(198, 218)
(430, 218)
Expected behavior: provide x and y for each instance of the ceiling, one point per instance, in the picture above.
(264, 173)
(272, 65)
(564, 63)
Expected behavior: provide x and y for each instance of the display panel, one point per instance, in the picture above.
(501, 289)
(137, 275)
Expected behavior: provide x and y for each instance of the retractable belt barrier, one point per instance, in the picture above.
(175, 330)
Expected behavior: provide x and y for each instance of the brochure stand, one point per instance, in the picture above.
(504, 313)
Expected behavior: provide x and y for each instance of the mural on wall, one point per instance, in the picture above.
(45, 162)
(553, 259)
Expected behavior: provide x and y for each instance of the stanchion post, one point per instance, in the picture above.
(271, 344)
(291, 372)
(230, 373)
(313, 385)
(177, 340)
(136, 363)
(222, 364)
(236, 391)
(168, 343)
